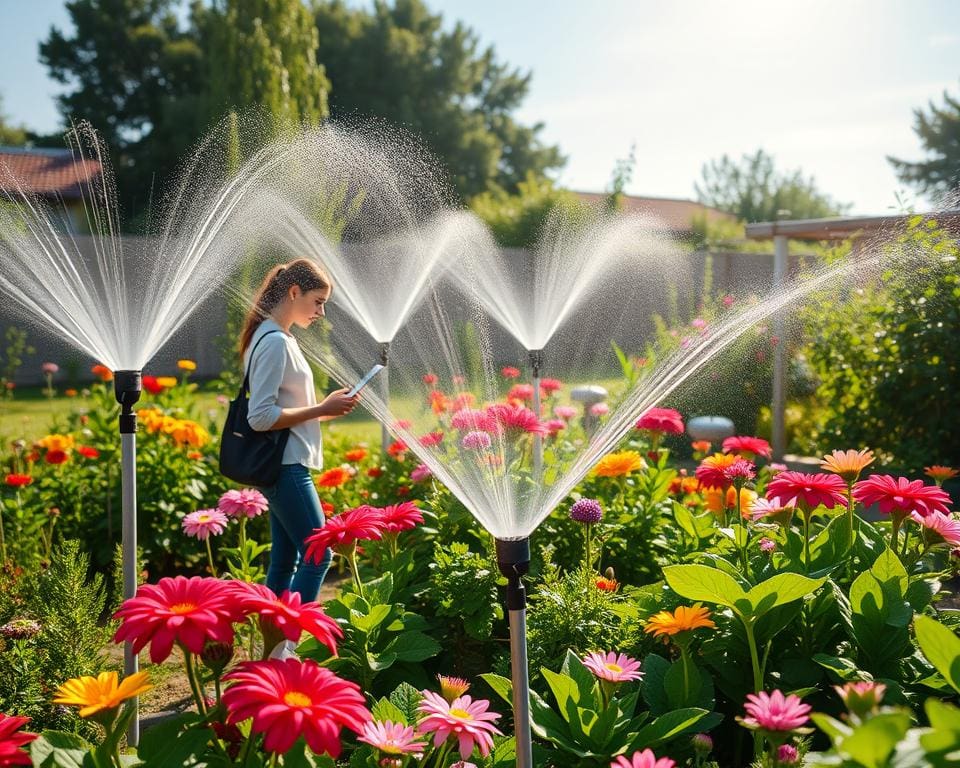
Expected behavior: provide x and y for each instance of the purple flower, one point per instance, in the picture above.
(586, 511)
(787, 754)
(420, 472)
(477, 440)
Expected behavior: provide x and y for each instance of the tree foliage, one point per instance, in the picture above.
(10, 135)
(398, 63)
(939, 132)
(754, 190)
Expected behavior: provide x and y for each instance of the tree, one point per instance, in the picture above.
(939, 132)
(263, 53)
(754, 190)
(10, 135)
(397, 63)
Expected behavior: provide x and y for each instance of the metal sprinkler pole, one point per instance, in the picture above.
(385, 384)
(513, 559)
(536, 362)
(127, 386)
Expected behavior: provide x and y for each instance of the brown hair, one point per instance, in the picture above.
(303, 273)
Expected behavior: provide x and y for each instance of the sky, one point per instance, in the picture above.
(826, 86)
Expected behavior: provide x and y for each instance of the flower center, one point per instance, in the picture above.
(461, 714)
(614, 668)
(203, 518)
(296, 699)
(182, 608)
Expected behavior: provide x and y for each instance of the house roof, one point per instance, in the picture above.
(676, 213)
(54, 173)
(843, 227)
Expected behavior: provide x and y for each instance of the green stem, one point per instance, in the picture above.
(754, 656)
(850, 520)
(355, 570)
(685, 661)
(243, 547)
(213, 568)
(906, 543)
(194, 683)
(3, 542)
(806, 542)
(589, 561)
(895, 521)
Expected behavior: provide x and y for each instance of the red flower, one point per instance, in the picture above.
(333, 478)
(186, 611)
(516, 419)
(430, 379)
(18, 481)
(712, 472)
(343, 530)
(810, 490)
(289, 699)
(900, 495)
(403, 490)
(665, 420)
(606, 585)
(549, 386)
(56, 456)
(12, 738)
(400, 517)
(520, 392)
(288, 614)
(102, 372)
(151, 384)
(509, 372)
(431, 439)
(752, 446)
(397, 448)
(88, 452)
(374, 472)
(327, 507)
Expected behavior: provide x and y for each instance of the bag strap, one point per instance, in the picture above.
(245, 389)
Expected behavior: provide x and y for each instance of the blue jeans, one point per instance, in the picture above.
(294, 512)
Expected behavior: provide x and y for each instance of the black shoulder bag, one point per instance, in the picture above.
(247, 456)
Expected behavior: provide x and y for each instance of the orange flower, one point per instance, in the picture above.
(711, 471)
(606, 585)
(618, 464)
(847, 464)
(939, 474)
(700, 446)
(95, 694)
(438, 402)
(684, 619)
(186, 365)
(102, 372)
(356, 454)
(167, 381)
(70, 392)
(717, 501)
(57, 442)
(333, 478)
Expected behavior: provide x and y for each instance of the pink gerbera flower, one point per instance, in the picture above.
(565, 412)
(465, 719)
(342, 531)
(431, 439)
(613, 667)
(712, 472)
(12, 739)
(400, 517)
(469, 419)
(420, 472)
(549, 386)
(186, 611)
(740, 471)
(554, 426)
(516, 419)
(391, 738)
(667, 421)
(900, 495)
(809, 490)
(477, 441)
(946, 527)
(204, 523)
(520, 392)
(509, 372)
(748, 446)
(288, 614)
(289, 699)
(645, 759)
(775, 712)
(247, 501)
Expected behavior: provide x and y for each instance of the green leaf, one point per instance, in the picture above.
(586, 682)
(385, 709)
(699, 582)
(57, 749)
(179, 741)
(367, 622)
(833, 728)
(655, 669)
(673, 685)
(504, 752)
(684, 519)
(872, 742)
(845, 669)
(378, 591)
(668, 726)
(380, 661)
(781, 589)
(941, 647)
(406, 698)
(564, 690)
(502, 686)
(413, 646)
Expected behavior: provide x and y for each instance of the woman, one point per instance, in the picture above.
(282, 396)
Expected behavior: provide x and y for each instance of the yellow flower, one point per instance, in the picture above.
(186, 365)
(57, 442)
(617, 464)
(167, 381)
(683, 619)
(847, 464)
(187, 432)
(95, 694)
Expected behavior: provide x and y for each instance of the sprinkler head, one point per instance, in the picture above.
(384, 352)
(513, 557)
(536, 361)
(127, 386)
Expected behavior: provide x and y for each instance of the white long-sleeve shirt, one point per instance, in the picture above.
(280, 377)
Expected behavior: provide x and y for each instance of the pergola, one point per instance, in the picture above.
(861, 229)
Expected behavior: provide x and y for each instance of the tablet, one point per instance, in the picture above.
(365, 380)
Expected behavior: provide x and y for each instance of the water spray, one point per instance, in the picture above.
(536, 363)
(513, 560)
(127, 386)
(385, 383)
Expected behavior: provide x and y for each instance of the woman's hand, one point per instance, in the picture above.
(338, 403)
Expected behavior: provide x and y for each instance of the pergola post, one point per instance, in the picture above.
(779, 402)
